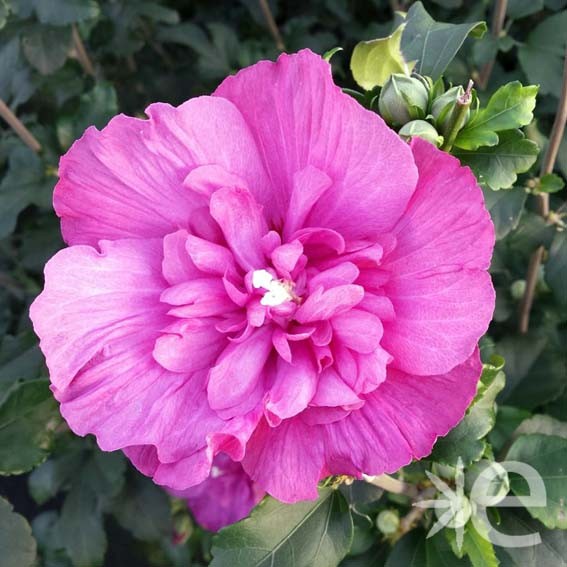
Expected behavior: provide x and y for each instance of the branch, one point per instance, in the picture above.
(272, 26)
(391, 484)
(547, 165)
(410, 520)
(498, 17)
(16, 124)
(81, 52)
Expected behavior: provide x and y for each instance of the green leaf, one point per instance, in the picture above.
(17, 546)
(507, 420)
(498, 166)
(132, 510)
(21, 184)
(550, 183)
(63, 12)
(79, 529)
(47, 47)
(505, 208)
(510, 107)
(556, 267)
(439, 553)
(306, 534)
(551, 552)
(542, 424)
(517, 9)
(19, 356)
(409, 551)
(374, 61)
(548, 455)
(478, 548)
(467, 439)
(16, 84)
(541, 56)
(28, 415)
(434, 44)
(535, 370)
(157, 12)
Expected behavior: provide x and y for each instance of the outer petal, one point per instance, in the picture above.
(127, 180)
(98, 319)
(94, 301)
(442, 296)
(400, 421)
(299, 118)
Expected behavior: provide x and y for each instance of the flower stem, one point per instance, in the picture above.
(458, 118)
(547, 165)
(81, 52)
(272, 26)
(496, 26)
(16, 124)
(391, 484)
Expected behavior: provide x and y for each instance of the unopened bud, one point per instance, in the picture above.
(388, 521)
(403, 99)
(517, 289)
(442, 107)
(421, 129)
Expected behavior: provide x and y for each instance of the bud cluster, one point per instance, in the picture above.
(415, 106)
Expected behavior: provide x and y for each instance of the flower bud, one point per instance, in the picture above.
(403, 99)
(388, 521)
(421, 129)
(517, 289)
(442, 107)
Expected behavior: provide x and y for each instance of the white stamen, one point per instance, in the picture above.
(277, 291)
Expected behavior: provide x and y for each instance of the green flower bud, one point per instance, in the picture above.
(421, 129)
(388, 521)
(403, 99)
(487, 482)
(442, 107)
(517, 289)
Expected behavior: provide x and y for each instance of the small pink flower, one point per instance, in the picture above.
(225, 497)
(270, 273)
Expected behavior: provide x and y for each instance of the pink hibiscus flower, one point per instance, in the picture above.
(270, 273)
(225, 497)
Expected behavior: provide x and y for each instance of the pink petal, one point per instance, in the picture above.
(341, 274)
(209, 257)
(235, 376)
(242, 223)
(309, 185)
(286, 256)
(439, 319)
(358, 330)
(285, 461)
(433, 237)
(188, 346)
(177, 266)
(294, 386)
(95, 301)
(206, 179)
(332, 391)
(300, 118)
(232, 490)
(322, 305)
(402, 419)
(127, 180)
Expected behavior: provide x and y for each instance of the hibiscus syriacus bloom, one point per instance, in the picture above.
(270, 273)
(225, 497)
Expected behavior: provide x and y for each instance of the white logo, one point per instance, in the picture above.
(489, 489)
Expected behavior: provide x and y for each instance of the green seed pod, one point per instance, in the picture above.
(403, 99)
(421, 129)
(388, 521)
(442, 107)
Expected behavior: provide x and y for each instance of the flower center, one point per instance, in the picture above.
(276, 291)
